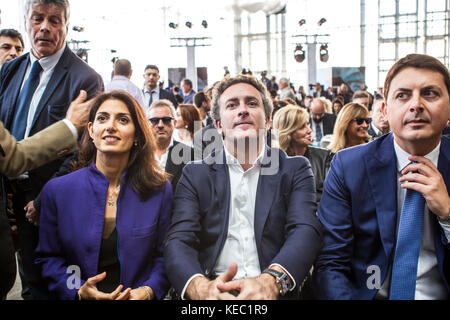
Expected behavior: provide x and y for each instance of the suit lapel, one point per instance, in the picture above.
(170, 166)
(11, 99)
(382, 176)
(265, 194)
(59, 73)
(221, 199)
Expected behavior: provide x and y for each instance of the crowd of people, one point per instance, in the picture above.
(245, 190)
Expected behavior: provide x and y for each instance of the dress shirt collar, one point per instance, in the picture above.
(156, 90)
(402, 156)
(48, 63)
(231, 160)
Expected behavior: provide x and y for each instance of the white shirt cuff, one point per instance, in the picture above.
(446, 228)
(72, 128)
(287, 272)
(187, 284)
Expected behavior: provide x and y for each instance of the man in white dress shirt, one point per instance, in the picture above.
(244, 223)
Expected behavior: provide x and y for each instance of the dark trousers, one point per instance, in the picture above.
(28, 240)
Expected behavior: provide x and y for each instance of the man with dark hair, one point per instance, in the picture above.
(322, 123)
(152, 91)
(11, 45)
(385, 208)
(35, 92)
(121, 80)
(363, 98)
(244, 219)
(188, 92)
(203, 103)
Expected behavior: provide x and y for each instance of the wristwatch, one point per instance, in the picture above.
(445, 220)
(282, 279)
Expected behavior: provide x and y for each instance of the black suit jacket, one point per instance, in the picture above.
(71, 74)
(329, 120)
(163, 94)
(178, 156)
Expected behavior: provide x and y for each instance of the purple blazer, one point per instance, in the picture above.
(71, 227)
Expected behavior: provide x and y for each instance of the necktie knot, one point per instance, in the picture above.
(35, 69)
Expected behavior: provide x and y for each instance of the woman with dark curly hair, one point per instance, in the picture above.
(102, 227)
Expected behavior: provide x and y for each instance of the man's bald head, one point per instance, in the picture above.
(317, 110)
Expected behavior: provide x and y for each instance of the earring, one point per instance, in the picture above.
(135, 143)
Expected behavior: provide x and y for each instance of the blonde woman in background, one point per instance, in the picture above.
(351, 127)
(294, 133)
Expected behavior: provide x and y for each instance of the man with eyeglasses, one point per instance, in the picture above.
(171, 155)
(322, 123)
(385, 208)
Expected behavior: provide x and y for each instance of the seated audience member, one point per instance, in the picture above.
(385, 208)
(351, 128)
(338, 104)
(379, 125)
(322, 122)
(244, 223)
(203, 103)
(187, 122)
(295, 138)
(109, 218)
(171, 155)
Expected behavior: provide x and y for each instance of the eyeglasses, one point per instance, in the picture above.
(165, 120)
(359, 121)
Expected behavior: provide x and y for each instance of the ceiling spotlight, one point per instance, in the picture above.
(322, 21)
(189, 24)
(324, 53)
(78, 28)
(205, 24)
(173, 25)
(302, 22)
(299, 53)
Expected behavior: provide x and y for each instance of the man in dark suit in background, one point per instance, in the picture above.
(322, 123)
(172, 155)
(152, 91)
(36, 90)
(244, 219)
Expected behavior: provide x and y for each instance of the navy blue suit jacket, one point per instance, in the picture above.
(71, 74)
(287, 230)
(358, 211)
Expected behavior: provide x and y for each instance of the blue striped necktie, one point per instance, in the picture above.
(409, 237)
(19, 123)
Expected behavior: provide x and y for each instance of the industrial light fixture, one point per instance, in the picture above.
(302, 22)
(173, 25)
(189, 24)
(322, 21)
(205, 24)
(299, 53)
(78, 28)
(324, 53)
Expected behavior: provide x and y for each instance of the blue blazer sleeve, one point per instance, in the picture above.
(158, 280)
(332, 270)
(49, 252)
(182, 242)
